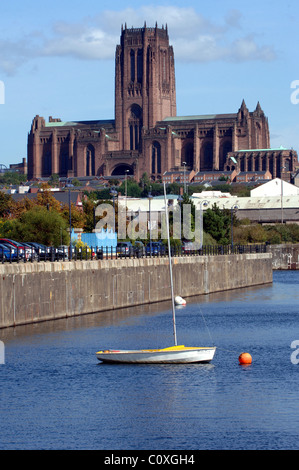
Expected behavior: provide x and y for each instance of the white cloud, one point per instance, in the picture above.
(233, 19)
(13, 54)
(195, 38)
(203, 48)
(91, 44)
(247, 49)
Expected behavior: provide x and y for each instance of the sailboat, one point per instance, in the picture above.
(176, 354)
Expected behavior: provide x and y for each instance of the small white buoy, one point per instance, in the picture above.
(179, 300)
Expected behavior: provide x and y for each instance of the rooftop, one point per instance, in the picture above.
(79, 123)
(199, 117)
(261, 150)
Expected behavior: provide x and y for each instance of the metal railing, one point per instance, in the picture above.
(17, 255)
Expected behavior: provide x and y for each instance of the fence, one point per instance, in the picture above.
(93, 253)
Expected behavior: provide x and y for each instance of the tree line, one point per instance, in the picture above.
(45, 220)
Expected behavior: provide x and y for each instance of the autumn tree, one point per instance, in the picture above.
(39, 225)
(6, 205)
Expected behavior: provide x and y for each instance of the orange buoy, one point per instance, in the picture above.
(245, 358)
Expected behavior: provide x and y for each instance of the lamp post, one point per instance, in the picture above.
(113, 193)
(180, 200)
(150, 197)
(233, 208)
(70, 221)
(205, 204)
(126, 174)
(184, 163)
(281, 190)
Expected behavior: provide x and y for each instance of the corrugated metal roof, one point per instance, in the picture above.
(243, 203)
(269, 202)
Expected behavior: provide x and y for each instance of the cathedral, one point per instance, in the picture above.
(146, 135)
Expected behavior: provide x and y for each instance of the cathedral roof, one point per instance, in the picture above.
(262, 150)
(79, 123)
(199, 117)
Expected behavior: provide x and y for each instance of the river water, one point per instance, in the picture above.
(56, 395)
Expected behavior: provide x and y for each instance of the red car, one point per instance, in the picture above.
(23, 252)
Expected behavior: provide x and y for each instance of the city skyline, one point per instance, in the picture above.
(60, 62)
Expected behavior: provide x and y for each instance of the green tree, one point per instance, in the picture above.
(144, 183)
(39, 225)
(54, 180)
(12, 177)
(98, 194)
(257, 234)
(293, 230)
(89, 212)
(188, 201)
(133, 188)
(217, 223)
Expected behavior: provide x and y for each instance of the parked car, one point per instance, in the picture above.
(62, 251)
(32, 255)
(139, 249)
(22, 251)
(124, 249)
(155, 248)
(42, 251)
(101, 252)
(190, 248)
(7, 253)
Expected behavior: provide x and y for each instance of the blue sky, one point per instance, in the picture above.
(57, 59)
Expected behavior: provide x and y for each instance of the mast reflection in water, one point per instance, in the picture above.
(55, 394)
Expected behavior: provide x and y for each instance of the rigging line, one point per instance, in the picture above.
(228, 350)
(211, 339)
(204, 320)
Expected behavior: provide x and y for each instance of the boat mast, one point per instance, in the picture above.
(170, 268)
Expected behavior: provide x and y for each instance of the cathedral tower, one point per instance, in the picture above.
(146, 135)
(144, 83)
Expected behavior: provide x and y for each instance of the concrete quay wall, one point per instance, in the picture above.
(34, 292)
(284, 256)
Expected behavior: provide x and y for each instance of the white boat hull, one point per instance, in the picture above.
(172, 355)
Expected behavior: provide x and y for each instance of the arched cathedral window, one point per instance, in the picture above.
(139, 66)
(156, 158)
(135, 126)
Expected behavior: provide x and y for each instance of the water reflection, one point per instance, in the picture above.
(93, 320)
(56, 395)
(129, 314)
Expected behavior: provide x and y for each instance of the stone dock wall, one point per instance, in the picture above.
(284, 256)
(34, 292)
